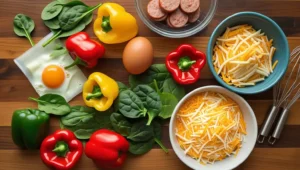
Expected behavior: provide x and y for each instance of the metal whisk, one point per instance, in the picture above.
(285, 94)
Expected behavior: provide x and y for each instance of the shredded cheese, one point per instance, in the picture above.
(243, 56)
(216, 130)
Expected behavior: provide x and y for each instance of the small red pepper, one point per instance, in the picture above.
(185, 64)
(107, 149)
(61, 150)
(84, 50)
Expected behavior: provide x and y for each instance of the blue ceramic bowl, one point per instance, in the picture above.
(272, 30)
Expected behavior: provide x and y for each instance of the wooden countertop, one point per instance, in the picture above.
(15, 88)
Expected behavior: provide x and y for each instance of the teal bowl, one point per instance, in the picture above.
(272, 30)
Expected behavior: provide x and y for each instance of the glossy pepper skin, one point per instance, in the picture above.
(61, 150)
(107, 149)
(114, 25)
(29, 128)
(100, 91)
(84, 50)
(185, 64)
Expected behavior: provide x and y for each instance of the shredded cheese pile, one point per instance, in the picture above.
(210, 127)
(243, 56)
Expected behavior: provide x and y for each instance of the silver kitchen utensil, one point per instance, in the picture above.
(285, 94)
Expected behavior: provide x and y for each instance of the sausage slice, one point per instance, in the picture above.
(193, 17)
(169, 23)
(189, 6)
(169, 5)
(154, 10)
(178, 18)
(161, 19)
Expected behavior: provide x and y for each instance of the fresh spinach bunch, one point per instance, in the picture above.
(23, 26)
(52, 104)
(65, 17)
(84, 121)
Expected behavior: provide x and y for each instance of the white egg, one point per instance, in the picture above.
(33, 62)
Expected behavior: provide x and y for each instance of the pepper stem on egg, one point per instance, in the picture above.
(96, 93)
(185, 63)
(106, 27)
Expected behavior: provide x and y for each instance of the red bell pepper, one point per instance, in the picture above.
(185, 64)
(61, 150)
(83, 50)
(107, 149)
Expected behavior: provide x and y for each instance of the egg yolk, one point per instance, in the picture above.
(53, 76)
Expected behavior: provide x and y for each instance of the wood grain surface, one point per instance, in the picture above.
(15, 88)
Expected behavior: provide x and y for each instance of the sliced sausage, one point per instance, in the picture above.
(189, 6)
(169, 5)
(169, 23)
(162, 18)
(154, 10)
(193, 17)
(178, 18)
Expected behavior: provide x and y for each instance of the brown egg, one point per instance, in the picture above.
(138, 55)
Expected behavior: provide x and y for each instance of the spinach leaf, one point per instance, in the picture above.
(65, 1)
(140, 132)
(90, 122)
(58, 51)
(120, 124)
(52, 104)
(52, 24)
(150, 99)
(88, 19)
(51, 10)
(23, 26)
(73, 3)
(75, 118)
(169, 103)
(83, 109)
(71, 17)
(170, 86)
(122, 86)
(130, 105)
(139, 148)
(156, 72)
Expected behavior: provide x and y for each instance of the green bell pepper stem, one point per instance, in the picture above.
(77, 61)
(61, 149)
(96, 93)
(106, 27)
(185, 63)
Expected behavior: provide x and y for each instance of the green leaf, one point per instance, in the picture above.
(139, 148)
(70, 17)
(157, 135)
(120, 124)
(88, 19)
(23, 26)
(75, 118)
(65, 1)
(122, 86)
(140, 132)
(53, 104)
(150, 99)
(52, 10)
(83, 109)
(170, 86)
(52, 24)
(58, 51)
(169, 103)
(130, 105)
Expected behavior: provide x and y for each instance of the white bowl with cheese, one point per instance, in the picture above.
(230, 162)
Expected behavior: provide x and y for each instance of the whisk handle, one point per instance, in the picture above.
(279, 127)
(266, 127)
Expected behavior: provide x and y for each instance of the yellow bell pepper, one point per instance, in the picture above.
(114, 25)
(100, 91)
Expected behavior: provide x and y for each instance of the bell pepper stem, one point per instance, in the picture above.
(61, 149)
(161, 145)
(106, 27)
(185, 63)
(96, 93)
(77, 61)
